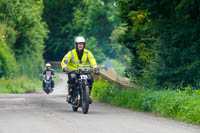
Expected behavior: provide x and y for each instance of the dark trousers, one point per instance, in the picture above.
(72, 79)
(52, 84)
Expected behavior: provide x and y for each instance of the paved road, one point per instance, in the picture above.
(41, 113)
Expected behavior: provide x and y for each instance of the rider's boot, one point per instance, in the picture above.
(43, 85)
(90, 100)
(68, 98)
(69, 95)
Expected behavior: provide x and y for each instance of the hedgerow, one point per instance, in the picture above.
(19, 85)
(183, 105)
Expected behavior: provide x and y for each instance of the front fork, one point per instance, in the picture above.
(77, 90)
(83, 84)
(81, 90)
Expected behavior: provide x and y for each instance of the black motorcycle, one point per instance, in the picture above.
(47, 80)
(80, 94)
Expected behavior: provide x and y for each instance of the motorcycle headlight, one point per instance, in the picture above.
(48, 77)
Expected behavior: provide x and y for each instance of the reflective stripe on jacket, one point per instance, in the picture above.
(71, 60)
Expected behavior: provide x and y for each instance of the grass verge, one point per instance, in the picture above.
(180, 105)
(19, 85)
(57, 69)
(57, 78)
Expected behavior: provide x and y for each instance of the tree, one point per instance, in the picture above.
(68, 19)
(173, 26)
(139, 37)
(97, 19)
(8, 65)
(24, 33)
(59, 16)
(92, 45)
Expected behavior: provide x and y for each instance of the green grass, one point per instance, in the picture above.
(180, 105)
(57, 69)
(19, 85)
(57, 78)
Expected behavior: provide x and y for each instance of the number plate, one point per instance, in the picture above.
(84, 76)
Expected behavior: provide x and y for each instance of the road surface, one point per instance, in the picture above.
(42, 113)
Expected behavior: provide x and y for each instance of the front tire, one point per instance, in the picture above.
(74, 108)
(85, 100)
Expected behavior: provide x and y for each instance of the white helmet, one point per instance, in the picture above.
(48, 65)
(79, 39)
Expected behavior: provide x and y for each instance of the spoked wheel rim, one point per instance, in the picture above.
(85, 100)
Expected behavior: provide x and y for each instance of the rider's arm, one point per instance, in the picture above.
(52, 72)
(92, 60)
(67, 58)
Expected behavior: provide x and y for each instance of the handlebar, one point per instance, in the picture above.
(79, 71)
(82, 69)
(53, 76)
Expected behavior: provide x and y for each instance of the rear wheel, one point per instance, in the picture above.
(85, 100)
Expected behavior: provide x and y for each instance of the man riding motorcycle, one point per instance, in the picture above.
(74, 58)
(50, 72)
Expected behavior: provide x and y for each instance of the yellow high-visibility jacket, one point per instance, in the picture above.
(71, 60)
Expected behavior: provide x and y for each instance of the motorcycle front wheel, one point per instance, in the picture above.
(74, 108)
(85, 99)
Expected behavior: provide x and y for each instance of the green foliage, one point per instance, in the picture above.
(57, 70)
(119, 67)
(163, 37)
(92, 45)
(31, 68)
(139, 38)
(58, 15)
(22, 84)
(180, 105)
(178, 43)
(8, 65)
(95, 20)
(24, 33)
(19, 85)
(101, 87)
(123, 53)
(57, 79)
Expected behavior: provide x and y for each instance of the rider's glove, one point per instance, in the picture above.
(96, 71)
(65, 69)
